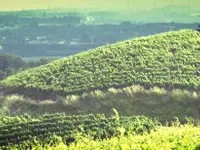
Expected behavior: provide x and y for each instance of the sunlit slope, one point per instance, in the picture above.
(167, 60)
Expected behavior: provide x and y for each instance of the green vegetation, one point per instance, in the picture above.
(184, 137)
(174, 137)
(12, 64)
(168, 60)
(133, 100)
(155, 76)
(75, 102)
(15, 130)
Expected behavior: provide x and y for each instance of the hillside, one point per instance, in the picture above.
(169, 60)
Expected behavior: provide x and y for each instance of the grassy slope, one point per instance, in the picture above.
(168, 60)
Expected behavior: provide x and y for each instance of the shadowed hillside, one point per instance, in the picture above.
(169, 60)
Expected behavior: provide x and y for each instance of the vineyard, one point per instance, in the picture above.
(19, 129)
(169, 60)
(156, 76)
(60, 132)
(185, 137)
(100, 75)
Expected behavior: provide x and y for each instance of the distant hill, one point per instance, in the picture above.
(169, 60)
(97, 4)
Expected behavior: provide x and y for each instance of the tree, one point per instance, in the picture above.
(9, 64)
(198, 28)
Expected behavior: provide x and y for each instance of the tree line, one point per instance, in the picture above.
(11, 64)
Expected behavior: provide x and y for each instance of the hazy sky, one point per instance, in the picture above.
(106, 4)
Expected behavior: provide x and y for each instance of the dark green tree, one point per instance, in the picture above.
(198, 28)
(9, 64)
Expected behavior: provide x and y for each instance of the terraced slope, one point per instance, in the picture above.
(167, 60)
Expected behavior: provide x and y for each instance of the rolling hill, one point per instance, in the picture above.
(169, 60)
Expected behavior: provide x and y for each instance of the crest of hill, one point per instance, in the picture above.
(169, 60)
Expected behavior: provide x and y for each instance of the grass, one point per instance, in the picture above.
(133, 100)
(168, 60)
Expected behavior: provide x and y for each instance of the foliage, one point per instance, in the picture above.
(183, 137)
(11, 64)
(15, 130)
(169, 60)
(198, 28)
